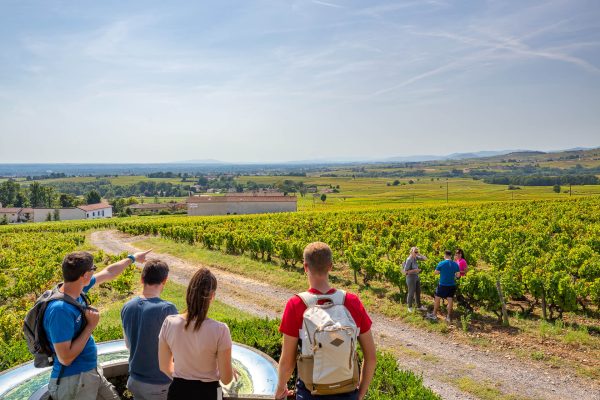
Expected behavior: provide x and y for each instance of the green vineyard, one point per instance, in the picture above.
(546, 254)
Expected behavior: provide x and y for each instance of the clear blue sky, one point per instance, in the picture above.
(153, 81)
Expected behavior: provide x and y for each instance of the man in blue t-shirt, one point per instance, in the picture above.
(448, 271)
(142, 319)
(75, 373)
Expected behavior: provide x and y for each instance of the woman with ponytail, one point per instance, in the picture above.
(195, 350)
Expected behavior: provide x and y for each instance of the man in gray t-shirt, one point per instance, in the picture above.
(142, 319)
(411, 270)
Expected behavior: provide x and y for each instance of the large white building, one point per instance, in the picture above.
(241, 204)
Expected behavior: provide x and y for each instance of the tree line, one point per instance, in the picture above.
(35, 195)
(541, 180)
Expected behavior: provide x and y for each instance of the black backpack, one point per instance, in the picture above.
(33, 326)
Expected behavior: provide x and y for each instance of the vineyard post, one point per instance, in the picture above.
(505, 321)
(544, 312)
(496, 255)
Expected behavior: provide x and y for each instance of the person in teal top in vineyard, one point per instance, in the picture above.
(448, 271)
(75, 373)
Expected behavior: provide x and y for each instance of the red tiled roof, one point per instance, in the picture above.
(95, 207)
(240, 199)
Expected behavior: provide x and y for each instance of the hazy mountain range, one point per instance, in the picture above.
(413, 158)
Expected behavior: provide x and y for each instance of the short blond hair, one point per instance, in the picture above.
(318, 257)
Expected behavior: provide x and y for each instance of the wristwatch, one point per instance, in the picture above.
(132, 258)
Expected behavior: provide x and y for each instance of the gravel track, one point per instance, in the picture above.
(440, 360)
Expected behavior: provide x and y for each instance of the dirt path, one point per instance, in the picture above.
(440, 360)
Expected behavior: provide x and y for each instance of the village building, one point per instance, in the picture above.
(42, 214)
(99, 210)
(241, 203)
(11, 214)
(64, 214)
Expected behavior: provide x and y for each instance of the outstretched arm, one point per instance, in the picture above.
(286, 365)
(112, 271)
(367, 344)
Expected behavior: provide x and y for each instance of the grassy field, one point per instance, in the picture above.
(357, 193)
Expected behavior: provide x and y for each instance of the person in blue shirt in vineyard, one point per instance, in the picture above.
(446, 289)
(76, 374)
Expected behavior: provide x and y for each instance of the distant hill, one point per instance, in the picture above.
(538, 156)
(453, 156)
(208, 161)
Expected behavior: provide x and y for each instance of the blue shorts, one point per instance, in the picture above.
(304, 394)
(445, 292)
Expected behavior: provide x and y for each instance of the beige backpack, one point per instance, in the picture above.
(328, 363)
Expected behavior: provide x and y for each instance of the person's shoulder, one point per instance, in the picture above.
(131, 302)
(168, 307)
(174, 319)
(295, 300)
(61, 311)
(352, 299)
(221, 324)
(167, 304)
(58, 306)
(214, 324)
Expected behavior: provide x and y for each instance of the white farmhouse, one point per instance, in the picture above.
(100, 210)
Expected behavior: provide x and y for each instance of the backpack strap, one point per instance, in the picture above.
(338, 298)
(309, 299)
(58, 295)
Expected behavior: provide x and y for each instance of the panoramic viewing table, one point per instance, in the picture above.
(258, 374)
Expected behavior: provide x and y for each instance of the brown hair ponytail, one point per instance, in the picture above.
(199, 291)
